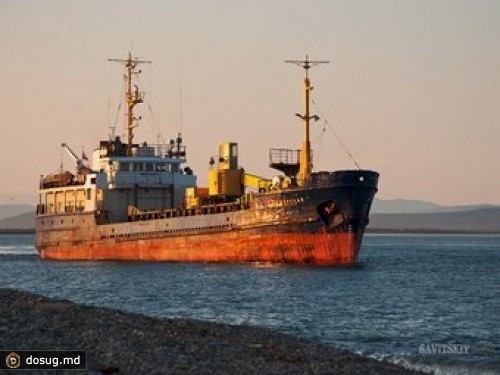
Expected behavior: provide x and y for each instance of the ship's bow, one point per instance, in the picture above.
(344, 213)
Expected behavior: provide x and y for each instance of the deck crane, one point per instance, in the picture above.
(80, 166)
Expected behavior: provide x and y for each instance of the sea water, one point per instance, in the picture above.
(430, 302)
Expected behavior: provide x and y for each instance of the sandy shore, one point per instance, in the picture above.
(124, 343)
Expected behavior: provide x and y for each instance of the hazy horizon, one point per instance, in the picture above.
(413, 88)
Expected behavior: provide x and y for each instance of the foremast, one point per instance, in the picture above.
(306, 164)
(132, 97)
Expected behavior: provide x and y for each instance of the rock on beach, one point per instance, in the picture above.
(117, 342)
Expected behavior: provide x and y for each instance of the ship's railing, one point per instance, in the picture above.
(160, 150)
(286, 161)
(50, 209)
(284, 156)
(135, 214)
(50, 182)
(163, 150)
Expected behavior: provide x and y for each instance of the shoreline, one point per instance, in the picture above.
(126, 343)
(18, 231)
(428, 231)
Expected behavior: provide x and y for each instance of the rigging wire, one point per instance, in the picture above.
(154, 122)
(342, 144)
(181, 115)
(108, 92)
(61, 163)
(320, 136)
(118, 111)
(319, 143)
(154, 129)
(109, 114)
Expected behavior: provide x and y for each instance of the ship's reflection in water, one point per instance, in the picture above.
(407, 291)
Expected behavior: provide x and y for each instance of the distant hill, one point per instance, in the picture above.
(474, 220)
(408, 206)
(10, 210)
(23, 221)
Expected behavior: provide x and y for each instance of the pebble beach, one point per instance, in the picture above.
(117, 342)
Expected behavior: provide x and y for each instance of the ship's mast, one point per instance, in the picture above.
(306, 164)
(132, 98)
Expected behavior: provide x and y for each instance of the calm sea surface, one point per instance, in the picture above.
(428, 301)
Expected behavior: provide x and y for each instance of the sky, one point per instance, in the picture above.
(412, 88)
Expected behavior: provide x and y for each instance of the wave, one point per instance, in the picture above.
(436, 368)
(18, 250)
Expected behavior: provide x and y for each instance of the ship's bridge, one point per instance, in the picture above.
(147, 176)
(124, 172)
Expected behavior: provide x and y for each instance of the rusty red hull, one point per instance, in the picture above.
(320, 226)
(322, 249)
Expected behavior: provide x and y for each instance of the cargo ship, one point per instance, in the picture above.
(140, 202)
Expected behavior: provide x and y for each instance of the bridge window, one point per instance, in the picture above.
(124, 167)
(149, 167)
(160, 167)
(138, 167)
